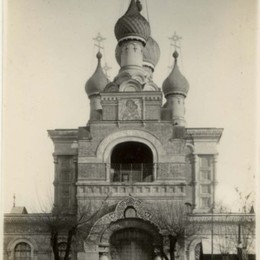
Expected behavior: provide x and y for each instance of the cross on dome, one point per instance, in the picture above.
(175, 40)
(14, 200)
(98, 40)
(106, 68)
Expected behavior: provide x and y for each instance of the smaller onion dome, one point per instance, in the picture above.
(98, 80)
(151, 53)
(118, 54)
(175, 83)
(132, 24)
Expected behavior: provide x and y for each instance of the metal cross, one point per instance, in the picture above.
(106, 68)
(98, 40)
(14, 200)
(175, 40)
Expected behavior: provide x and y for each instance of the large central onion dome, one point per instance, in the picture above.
(98, 80)
(132, 25)
(175, 83)
(151, 53)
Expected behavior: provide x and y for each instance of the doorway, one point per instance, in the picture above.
(131, 244)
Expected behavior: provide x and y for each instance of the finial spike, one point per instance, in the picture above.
(14, 200)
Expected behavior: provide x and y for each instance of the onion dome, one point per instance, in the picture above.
(132, 25)
(98, 80)
(118, 54)
(151, 53)
(175, 83)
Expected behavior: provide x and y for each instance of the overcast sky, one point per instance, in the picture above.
(49, 55)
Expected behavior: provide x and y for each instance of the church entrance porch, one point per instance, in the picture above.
(128, 232)
(131, 244)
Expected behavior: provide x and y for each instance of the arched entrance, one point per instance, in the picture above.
(131, 162)
(130, 222)
(131, 244)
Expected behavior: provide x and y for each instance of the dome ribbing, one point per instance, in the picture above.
(98, 80)
(151, 52)
(175, 83)
(132, 25)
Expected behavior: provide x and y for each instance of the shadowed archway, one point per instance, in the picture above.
(131, 162)
(131, 243)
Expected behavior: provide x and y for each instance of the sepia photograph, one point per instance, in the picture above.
(129, 130)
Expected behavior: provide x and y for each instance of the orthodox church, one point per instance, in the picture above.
(135, 151)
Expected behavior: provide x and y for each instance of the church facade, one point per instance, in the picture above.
(134, 152)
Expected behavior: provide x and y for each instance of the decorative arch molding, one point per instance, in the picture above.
(116, 220)
(22, 239)
(131, 223)
(150, 86)
(135, 74)
(104, 149)
(191, 244)
(111, 87)
(130, 85)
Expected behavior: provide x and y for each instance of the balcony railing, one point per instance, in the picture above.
(131, 173)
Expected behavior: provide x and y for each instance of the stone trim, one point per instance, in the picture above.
(102, 225)
(223, 218)
(107, 144)
(22, 239)
(204, 133)
(63, 135)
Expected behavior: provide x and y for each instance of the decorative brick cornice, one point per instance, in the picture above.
(34, 219)
(148, 95)
(41, 218)
(223, 218)
(63, 135)
(204, 133)
(25, 218)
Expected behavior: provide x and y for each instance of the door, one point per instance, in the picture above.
(131, 244)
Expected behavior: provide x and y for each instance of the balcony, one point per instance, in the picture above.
(131, 173)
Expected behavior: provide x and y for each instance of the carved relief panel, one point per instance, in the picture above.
(130, 109)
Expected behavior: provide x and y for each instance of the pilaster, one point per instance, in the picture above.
(55, 183)
(214, 174)
(195, 167)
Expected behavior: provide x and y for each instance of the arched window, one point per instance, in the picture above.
(22, 251)
(62, 250)
(131, 162)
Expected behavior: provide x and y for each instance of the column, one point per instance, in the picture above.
(118, 113)
(195, 167)
(214, 174)
(108, 172)
(155, 172)
(56, 180)
(143, 109)
(73, 186)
